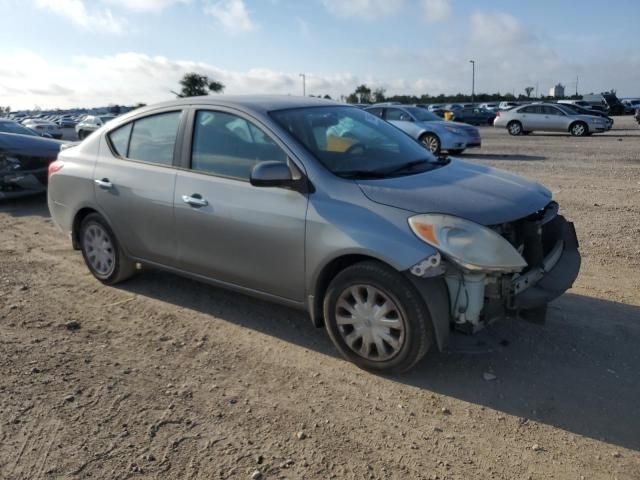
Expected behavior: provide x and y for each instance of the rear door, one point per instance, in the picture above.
(229, 230)
(532, 117)
(134, 182)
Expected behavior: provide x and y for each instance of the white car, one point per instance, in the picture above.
(491, 107)
(507, 105)
(91, 123)
(44, 126)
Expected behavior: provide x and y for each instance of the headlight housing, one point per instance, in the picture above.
(470, 245)
(455, 130)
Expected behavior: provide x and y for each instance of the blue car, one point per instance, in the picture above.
(429, 129)
(319, 206)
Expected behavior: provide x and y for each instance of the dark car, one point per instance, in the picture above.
(24, 161)
(608, 101)
(637, 115)
(588, 111)
(9, 126)
(474, 116)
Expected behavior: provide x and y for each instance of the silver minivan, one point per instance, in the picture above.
(319, 206)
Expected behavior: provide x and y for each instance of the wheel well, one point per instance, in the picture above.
(77, 221)
(579, 121)
(328, 273)
(424, 134)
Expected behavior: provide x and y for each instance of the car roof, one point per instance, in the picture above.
(257, 103)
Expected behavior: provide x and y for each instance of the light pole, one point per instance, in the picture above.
(473, 80)
(304, 84)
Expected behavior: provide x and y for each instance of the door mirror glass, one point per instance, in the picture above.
(271, 174)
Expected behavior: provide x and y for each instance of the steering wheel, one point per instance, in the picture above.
(352, 149)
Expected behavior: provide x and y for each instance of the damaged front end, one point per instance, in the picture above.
(22, 175)
(511, 269)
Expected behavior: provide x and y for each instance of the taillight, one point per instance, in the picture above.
(498, 113)
(55, 167)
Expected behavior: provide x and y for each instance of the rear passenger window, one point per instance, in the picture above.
(227, 145)
(153, 138)
(120, 139)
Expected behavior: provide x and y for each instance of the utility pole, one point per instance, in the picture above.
(537, 90)
(577, 79)
(473, 80)
(304, 84)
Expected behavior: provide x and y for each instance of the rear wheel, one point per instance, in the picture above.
(376, 318)
(102, 253)
(514, 127)
(579, 129)
(431, 142)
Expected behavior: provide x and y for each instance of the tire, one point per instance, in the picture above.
(81, 135)
(579, 129)
(102, 253)
(431, 142)
(456, 151)
(391, 344)
(514, 128)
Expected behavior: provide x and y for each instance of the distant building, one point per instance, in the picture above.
(557, 91)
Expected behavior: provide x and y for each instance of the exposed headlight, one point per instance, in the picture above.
(470, 245)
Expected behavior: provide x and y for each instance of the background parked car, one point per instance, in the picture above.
(587, 111)
(492, 107)
(608, 101)
(24, 160)
(91, 123)
(549, 117)
(507, 105)
(474, 116)
(429, 129)
(44, 126)
(631, 105)
(9, 126)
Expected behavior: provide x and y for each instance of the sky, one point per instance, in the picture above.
(67, 53)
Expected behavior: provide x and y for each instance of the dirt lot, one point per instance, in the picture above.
(166, 378)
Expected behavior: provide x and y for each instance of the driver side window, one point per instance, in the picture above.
(229, 146)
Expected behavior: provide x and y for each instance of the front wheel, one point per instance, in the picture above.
(102, 253)
(377, 319)
(431, 142)
(579, 129)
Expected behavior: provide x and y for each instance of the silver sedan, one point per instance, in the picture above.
(433, 132)
(548, 117)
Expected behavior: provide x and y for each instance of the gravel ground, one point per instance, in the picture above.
(163, 377)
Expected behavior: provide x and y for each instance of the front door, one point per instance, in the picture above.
(229, 230)
(134, 180)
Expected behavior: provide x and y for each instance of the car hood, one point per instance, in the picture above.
(484, 195)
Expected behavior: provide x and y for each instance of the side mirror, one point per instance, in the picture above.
(271, 174)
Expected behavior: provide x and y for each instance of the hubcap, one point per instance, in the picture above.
(515, 129)
(431, 143)
(370, 323)
(99, 249)
(578, 129)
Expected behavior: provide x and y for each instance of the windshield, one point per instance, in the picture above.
(12, 127)
(422, 115)
(353, 143)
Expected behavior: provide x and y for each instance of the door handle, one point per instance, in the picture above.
(195, 200)
(104, 183)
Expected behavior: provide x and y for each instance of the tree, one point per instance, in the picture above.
(378, 95)
(352, 98)
(327, 97)
(196, 85)
(529, 91)
(364, 93)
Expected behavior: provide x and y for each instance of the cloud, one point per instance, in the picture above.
(232, 15)
(128, 78)
(436, 10)
(146, 5)
(101, 21)
(367, 9)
